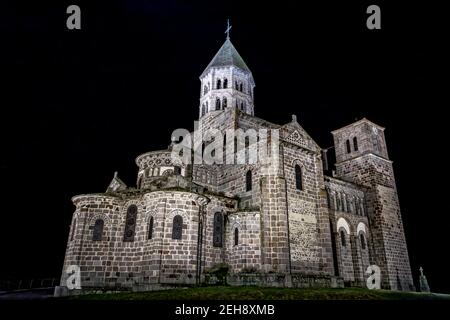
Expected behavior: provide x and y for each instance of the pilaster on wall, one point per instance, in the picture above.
(274, 224)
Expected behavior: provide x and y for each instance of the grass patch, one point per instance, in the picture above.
(258, 293)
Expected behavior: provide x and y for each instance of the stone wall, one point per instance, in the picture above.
(113, 262)
(363, 137)
(310, 243)
(246, 254)
(153, 165)
(232, 93)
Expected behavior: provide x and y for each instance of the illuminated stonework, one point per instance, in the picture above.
(290, 226)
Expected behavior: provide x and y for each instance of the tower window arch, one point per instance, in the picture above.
(298, 177)
(97, 234)
(218, 229)
(217, 104)
(150, 228)
(130, 223)
(240, 87)
(237, 85)
(177, 227)
(362, 239)
(242, 106)
(355, 143)
(248, 180)
(225, 83)
(236, 236)
(219, 84)
(347, 144)
(224, 103)
(343, 242)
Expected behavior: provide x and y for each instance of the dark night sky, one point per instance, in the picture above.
(79, 105)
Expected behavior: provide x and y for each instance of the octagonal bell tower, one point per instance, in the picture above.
(226, 83)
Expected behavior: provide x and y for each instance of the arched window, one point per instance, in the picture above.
(150, 229)
(236, 236)
(248, 180)
(363, 241)
(298, 177)
(240, 87)
(74, 229)
(224, 103)
(203, 110)
(205, 90)
(225, 83)
(130, 224)
(218, 229)
(237, 104)
(237, 85)
(207, 108)
(98, 230)
(347, 143)
(177, 227)
(219, 84)
(242, 106)
(343, 238)
(217, 104)
(355, 143)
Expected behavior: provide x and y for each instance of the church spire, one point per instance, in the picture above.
(226, 82)
(227, 56)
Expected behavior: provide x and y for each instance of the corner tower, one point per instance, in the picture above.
(362, 158)
(226, 83)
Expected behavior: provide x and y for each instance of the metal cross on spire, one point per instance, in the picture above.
(228, 29)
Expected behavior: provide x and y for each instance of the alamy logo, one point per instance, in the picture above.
(74, 279)
(230, 146)
(74, 20)
(374, 20)
(374, 279)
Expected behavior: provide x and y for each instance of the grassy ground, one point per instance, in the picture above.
(257, 293)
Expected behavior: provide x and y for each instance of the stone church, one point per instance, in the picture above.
(297, 225)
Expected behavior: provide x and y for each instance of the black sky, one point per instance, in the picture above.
(79, 105)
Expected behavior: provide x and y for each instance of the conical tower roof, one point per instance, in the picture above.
(227, 56)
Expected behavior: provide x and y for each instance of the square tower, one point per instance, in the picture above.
(362, 158)
(359, 138)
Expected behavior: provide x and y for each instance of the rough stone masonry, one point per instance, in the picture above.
(246, 224)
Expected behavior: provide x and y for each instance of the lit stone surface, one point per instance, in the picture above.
(286, 231)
